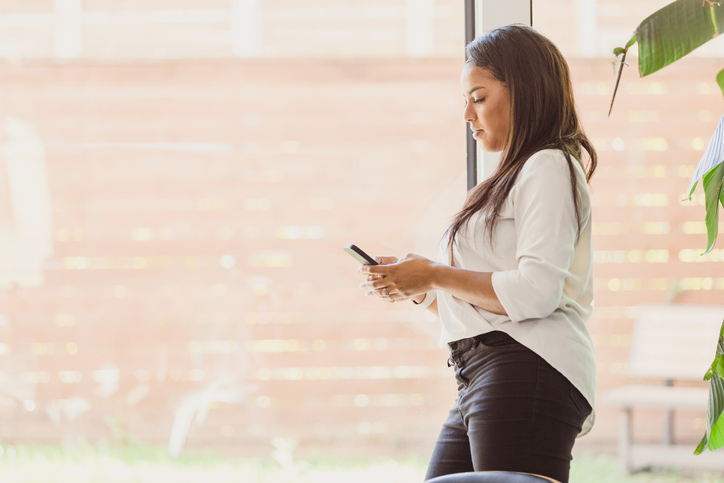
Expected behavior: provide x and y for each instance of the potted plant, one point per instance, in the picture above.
(663, 38)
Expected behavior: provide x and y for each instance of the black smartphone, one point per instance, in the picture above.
(359, 255)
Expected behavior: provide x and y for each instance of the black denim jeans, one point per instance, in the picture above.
(514, 412)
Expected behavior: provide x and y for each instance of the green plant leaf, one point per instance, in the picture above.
(712, 170)
(675, 30)
(702, 444)
(671, 33)
(631, 41)
(720, 80)
(714, 196)
(717, 367)
(714, 435)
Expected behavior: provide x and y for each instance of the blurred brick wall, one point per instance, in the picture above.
(190, 255)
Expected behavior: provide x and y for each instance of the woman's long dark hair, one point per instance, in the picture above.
(542, 116)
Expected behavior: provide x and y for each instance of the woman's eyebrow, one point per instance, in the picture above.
(475, 89)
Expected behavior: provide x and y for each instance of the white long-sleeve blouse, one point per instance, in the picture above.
(542, 272)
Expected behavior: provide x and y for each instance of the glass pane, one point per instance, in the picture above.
(178, 181)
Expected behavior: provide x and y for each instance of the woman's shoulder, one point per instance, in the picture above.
(549, 170)
(553, 158)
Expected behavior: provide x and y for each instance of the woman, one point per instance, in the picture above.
(513, 283)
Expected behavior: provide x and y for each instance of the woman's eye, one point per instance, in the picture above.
(478, 101)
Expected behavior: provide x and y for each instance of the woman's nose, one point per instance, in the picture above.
(469, 114)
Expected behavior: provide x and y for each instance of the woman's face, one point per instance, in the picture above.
(487, 107)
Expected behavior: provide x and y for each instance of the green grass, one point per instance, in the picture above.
(589, 468)
(82, 462)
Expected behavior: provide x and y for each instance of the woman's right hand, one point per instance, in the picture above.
(388, 261)
(382, 261)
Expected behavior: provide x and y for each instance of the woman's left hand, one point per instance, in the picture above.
(412, 275)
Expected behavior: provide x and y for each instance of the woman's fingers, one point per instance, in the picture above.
(372, 277)
(370, 283)
(377, 293)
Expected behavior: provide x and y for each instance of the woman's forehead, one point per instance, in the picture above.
(474, 76)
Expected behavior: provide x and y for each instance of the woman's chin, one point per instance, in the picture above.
(489, 147)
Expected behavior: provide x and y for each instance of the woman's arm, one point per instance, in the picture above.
(417, 274)
(432, 307)
(476, 288)
(547, 232)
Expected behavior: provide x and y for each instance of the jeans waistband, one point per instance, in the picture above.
(463, 344)
(459, 348)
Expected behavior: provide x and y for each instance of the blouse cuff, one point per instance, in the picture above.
(428, 300)
(507, 300)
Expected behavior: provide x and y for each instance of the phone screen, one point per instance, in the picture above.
(359, 255)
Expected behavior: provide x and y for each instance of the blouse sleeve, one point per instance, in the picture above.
(429, 299)
(546, 234)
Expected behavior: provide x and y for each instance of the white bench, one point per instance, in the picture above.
(670, 343)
